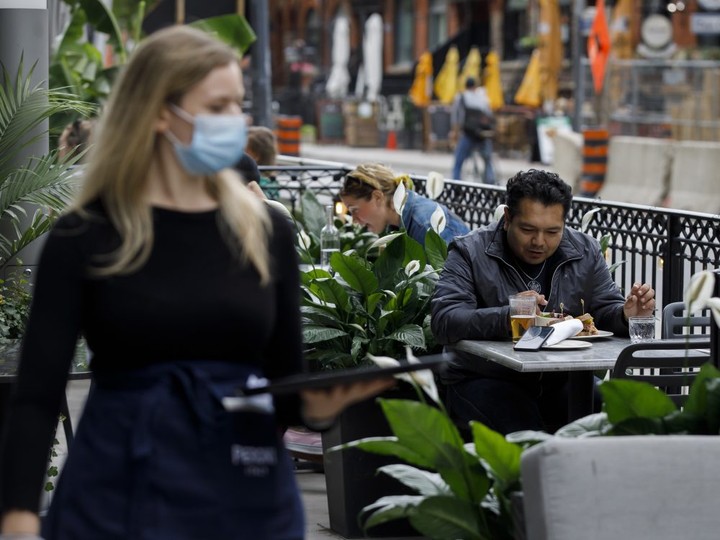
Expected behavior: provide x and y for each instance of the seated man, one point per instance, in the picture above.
(528, 251)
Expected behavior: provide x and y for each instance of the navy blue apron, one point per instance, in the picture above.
(157, 457)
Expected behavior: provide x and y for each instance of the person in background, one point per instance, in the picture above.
(262, 147)
(368, 195)
(75, 138)
(473, 98)
(529, 251)
(186, 288)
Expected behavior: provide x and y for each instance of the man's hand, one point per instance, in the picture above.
(640, 302)
(539, 299)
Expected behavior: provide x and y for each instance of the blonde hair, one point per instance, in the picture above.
(364, 179)
(161, 70)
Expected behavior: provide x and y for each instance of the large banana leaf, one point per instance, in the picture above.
(232, 29)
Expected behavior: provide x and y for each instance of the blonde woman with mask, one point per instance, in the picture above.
(185, 286)
(368, 194)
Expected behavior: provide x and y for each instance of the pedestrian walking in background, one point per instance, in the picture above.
(473, 125)
(186, 287)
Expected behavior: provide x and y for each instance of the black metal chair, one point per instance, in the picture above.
(676, 324)
(668, 364)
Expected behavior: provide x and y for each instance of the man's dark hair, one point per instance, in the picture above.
(470, 82)
(542, 186)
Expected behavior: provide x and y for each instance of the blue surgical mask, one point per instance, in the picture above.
(218, 141)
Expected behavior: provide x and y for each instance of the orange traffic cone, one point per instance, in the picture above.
(391, 143)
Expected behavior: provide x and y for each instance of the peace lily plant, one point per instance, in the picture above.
(374, 301)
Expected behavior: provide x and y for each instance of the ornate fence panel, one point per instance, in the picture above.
(660, 246)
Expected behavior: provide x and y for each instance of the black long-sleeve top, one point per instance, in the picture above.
(192, 300)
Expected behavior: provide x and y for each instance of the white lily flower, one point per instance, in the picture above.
(281, 207)
(714, 305)
(383, 361)
(423, 378)
(499, 212)
(303, 239)
(437, 220)
(435, 184)
(587, 219)
(390, 293)
(699, 291)
(412, 267)
(385, 240)
(400, 198)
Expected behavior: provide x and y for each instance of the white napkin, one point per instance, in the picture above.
(564, 330)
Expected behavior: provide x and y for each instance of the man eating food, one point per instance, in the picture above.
(529, 251)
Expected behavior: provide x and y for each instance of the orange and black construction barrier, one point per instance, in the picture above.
(595, 154)
(288, 135)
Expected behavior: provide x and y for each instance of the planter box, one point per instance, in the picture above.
(350, 475)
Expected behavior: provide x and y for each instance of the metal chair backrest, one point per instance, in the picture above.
(668, 364)
(675, 323)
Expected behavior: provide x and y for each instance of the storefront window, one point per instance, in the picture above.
(437, 31)
(404, 32)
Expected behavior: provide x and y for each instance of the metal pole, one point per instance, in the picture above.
(24, 36)
(577, 63)
(261, 72)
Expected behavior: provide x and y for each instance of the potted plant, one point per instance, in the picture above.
(374, 301)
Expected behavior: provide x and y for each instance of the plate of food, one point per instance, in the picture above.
(569, 344)
(600, 334)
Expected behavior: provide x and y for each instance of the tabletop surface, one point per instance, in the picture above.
(601, 355)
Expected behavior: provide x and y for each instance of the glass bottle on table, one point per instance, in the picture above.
(329, 238)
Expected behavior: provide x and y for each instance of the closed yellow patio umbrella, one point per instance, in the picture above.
(529, 92)
(493, 84)
(446, 81)
(620, 39)
(551, 50)
(421, 89)
(471, 68)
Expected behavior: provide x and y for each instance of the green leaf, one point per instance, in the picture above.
(502, 457)
(386, 446)
(232, 29)
(313, 213)
(447, 518)
(697, 401)
(395, 257)
(332, 292)
(102, 18)
(423, 482)
(390, 508)
(588, 426)
(353, 270)
(315, 334)
(627, 399)
(409, 334)
(436, 249)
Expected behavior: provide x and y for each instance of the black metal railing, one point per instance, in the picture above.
(660, 246)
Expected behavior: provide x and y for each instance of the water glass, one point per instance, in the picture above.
(522, 314)
(641, 329)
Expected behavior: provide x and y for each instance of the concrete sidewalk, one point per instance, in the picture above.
(413, 161)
